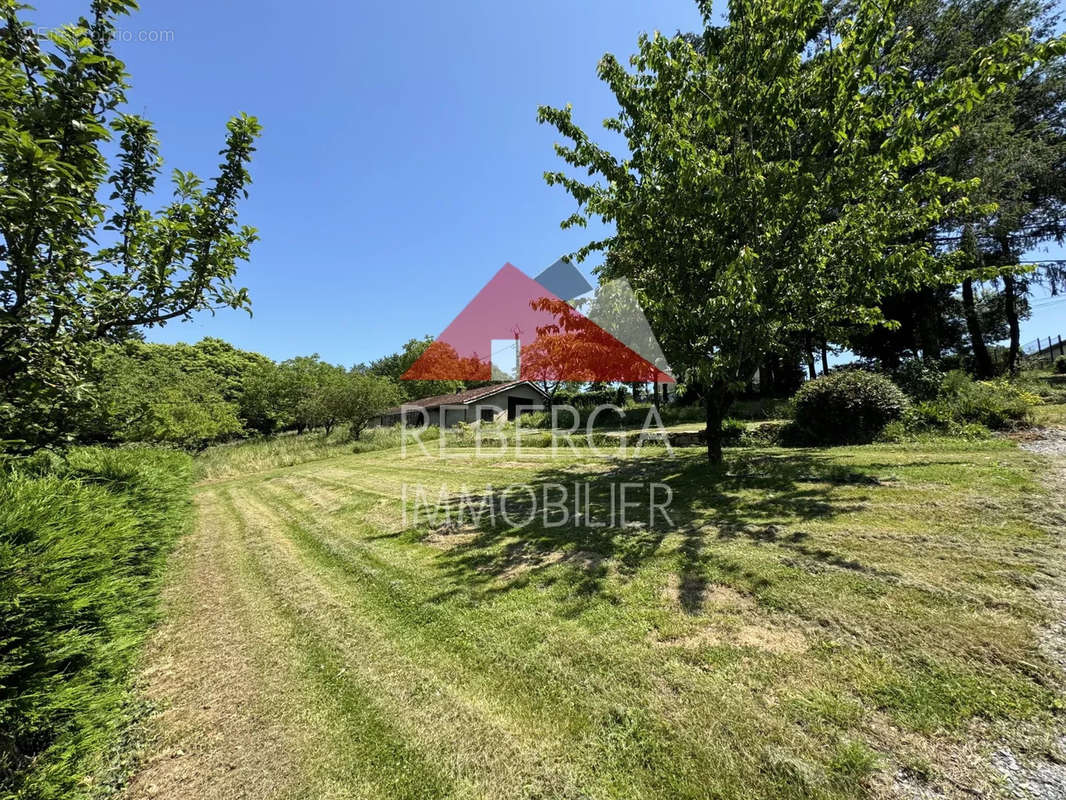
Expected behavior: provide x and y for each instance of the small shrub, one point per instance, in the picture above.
(1060, 365)
(1050, 388)
(674, 414)
(933, 417)
(765, 434)
(969, 409)
(733, 431)
(847, 407)
(895, 431)
(604, 395)
(631, 416)
(919, 378)
(996, 404)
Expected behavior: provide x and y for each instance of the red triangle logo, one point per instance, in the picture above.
(553, 340)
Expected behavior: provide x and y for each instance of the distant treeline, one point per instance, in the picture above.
(194, 395)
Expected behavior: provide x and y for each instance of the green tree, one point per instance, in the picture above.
(395, 365)
(265, 406)
(935, 321)
(777, 179)
(358, 397)
(303, 387)
(61, 95)
(228, 365)
(134, 381)
(144, 394)
(1015, 145)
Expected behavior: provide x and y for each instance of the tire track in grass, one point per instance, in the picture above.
(385, 512)
(679, 717)
(565, 690)
(355, 751)
(351, 486)
(389, 590)
(392, 478)
(210, 674)
(479, 751)
(637, 739)
(332, 497)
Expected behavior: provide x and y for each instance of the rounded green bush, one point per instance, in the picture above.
(919, 378)
(847, 407)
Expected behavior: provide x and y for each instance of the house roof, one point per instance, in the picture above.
(466, 397)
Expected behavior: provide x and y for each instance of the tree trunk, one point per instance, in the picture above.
(982, 360)
(810, 365)
(717, 402)
(1010, 296)
(655, 393)
(825, 358)
(767, 378)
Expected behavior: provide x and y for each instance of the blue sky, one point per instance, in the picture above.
(401, 163)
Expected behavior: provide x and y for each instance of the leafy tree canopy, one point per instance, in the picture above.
(395, 365)
(175, 394)
(778, 176)
(82, 257)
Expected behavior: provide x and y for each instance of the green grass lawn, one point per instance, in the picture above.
(817, 622)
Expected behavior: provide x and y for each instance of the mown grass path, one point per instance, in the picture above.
(816, 624)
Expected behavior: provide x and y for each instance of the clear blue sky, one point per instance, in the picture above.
(401, 163)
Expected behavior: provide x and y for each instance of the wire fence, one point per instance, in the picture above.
(1051, 347)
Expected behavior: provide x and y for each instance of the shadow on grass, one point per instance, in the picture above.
(752, 496)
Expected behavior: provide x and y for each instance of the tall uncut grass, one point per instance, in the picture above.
(82, 546)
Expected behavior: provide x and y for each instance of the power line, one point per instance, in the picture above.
(1047, 302)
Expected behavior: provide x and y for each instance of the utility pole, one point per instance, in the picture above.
(517, 352)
